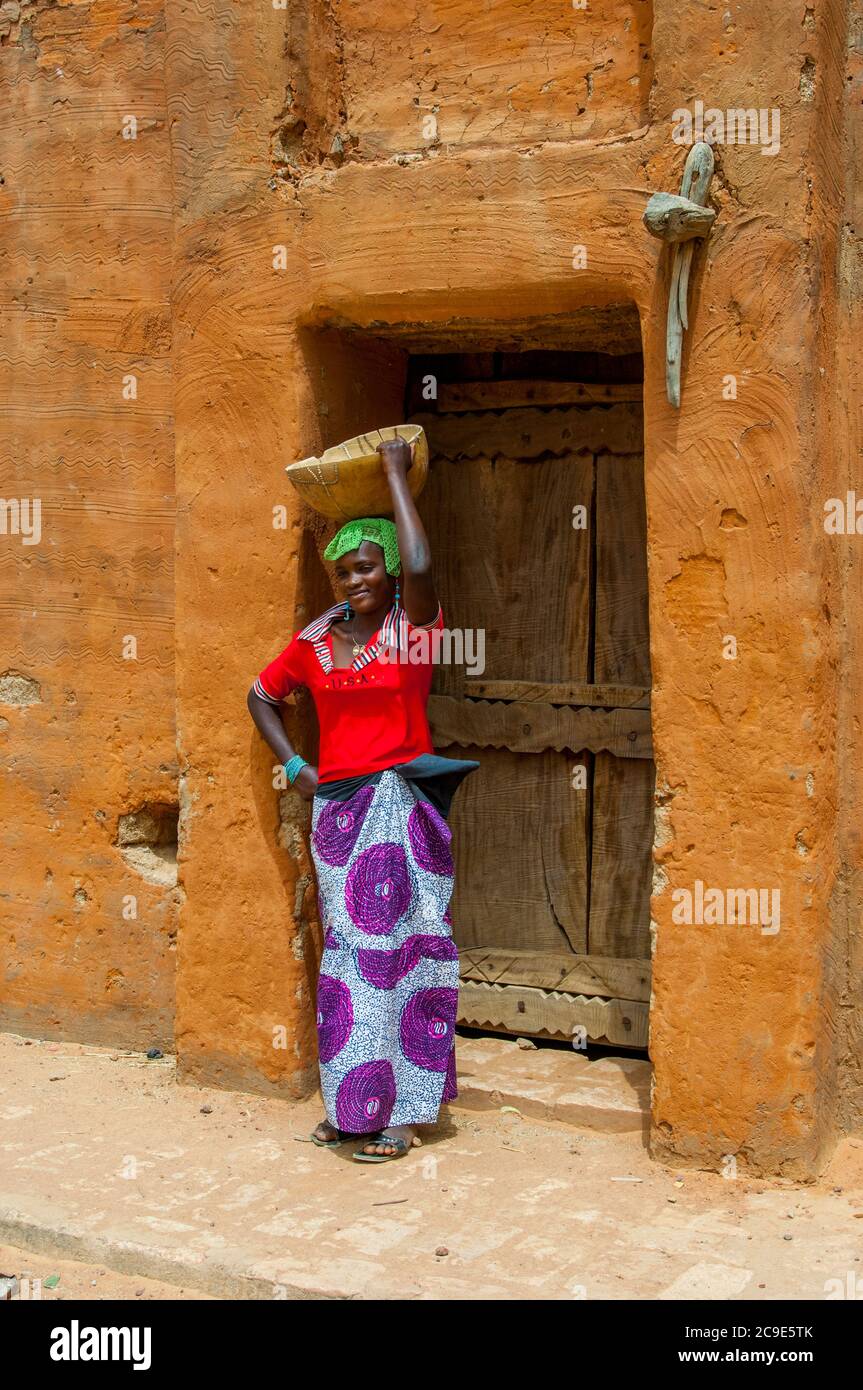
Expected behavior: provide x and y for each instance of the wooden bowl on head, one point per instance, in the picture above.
(348, 480)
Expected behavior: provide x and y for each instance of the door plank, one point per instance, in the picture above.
(508, 561)
(532, 727)
(560, 693)
(622, 646)
(520, 843)
(568, 974)
(501, 395)
(621, 859)
(517, 1009)
(526, 434)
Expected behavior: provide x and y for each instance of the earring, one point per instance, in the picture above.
(398, 594)
(347, 612)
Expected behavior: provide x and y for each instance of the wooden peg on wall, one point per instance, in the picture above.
(679, 220)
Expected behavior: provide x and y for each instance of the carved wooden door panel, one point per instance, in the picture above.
(537, 523)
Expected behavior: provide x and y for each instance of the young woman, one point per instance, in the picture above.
(387, 995)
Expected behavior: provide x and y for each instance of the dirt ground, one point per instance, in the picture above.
(77, 1280)
(131, 1186)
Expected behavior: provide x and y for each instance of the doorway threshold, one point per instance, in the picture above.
(610, 1094)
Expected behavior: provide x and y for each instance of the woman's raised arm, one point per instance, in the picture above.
(419, 596)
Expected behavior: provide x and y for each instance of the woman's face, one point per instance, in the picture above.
(362, 579)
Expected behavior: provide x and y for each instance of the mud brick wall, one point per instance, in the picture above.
(87, 721)
(335, 168)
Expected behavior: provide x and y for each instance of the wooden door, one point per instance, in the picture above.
(537, 522)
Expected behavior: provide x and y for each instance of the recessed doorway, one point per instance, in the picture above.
(535, 509)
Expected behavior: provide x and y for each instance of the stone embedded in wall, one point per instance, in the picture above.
(147, 839)
(16, 689)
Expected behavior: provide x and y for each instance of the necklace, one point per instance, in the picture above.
(359, 647)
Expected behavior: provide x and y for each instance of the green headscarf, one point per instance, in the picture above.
(367, 528)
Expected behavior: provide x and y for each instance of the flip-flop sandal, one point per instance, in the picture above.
(401, 1146)
(331, 1143)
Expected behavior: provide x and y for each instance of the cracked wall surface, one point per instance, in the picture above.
(370, 83)
(87, 611)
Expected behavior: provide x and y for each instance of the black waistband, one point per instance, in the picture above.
(430, 777)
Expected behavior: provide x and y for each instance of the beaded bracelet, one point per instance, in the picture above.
(294, 767)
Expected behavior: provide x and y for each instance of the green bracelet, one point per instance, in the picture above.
(294, 767)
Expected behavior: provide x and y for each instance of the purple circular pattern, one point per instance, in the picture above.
(335, 1016)
(430, 838)
(384, 969)
(378, 888)
(427, 1027)
(339, 826)
(365, 1098)
(331, 940)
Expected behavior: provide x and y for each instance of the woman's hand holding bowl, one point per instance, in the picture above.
(396, 454)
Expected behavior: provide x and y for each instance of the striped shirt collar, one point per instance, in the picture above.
(393, 633)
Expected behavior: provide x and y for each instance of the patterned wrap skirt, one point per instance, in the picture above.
(387, 995)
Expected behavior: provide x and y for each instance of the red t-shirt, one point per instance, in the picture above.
(369, 718)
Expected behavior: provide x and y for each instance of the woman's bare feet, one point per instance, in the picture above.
(379, 1144)
(326, 1132)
